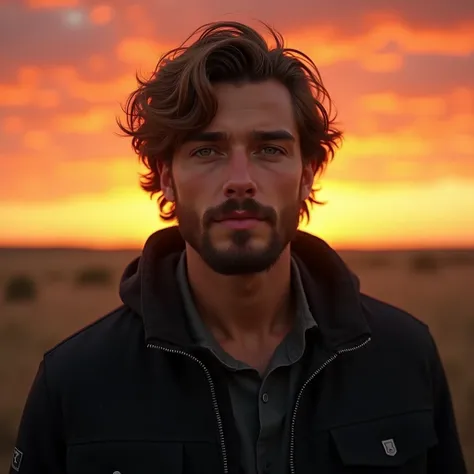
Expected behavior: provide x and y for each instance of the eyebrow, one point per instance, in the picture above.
(273, 135)
(206, 137)
(259, 135)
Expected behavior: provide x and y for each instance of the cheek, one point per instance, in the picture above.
(192, 196)
(188, 186)
(287, 189)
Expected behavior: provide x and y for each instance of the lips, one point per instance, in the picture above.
(238, 216)
(239, 220)
(235, 212)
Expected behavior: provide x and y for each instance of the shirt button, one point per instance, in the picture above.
(265, 397)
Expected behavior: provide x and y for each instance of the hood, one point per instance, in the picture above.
(149, 287)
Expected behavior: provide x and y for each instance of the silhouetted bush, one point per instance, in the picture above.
(94, 276)
(378, 261)
(461, 259)
(20, 288)
(424, 263)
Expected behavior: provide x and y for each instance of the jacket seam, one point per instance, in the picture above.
(384, 417)
(137, 441)
(368, 300)
(84, 329)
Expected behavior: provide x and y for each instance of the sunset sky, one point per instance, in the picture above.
(401, 73)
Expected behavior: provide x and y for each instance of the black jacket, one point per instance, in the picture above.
(132, 394)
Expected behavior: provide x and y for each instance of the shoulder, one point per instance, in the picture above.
(96, 345)
(395, 329)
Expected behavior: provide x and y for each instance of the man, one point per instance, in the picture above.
(243, 345)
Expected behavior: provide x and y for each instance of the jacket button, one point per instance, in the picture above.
(265, 397)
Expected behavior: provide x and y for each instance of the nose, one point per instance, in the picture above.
(239, 183)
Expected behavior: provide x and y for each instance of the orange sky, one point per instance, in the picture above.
(401, 74)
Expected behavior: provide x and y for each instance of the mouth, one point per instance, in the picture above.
(239, 220)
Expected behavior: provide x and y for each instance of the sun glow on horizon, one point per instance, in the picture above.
(355, 217)
(403, 85)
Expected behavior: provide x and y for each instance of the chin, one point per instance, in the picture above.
(232, 263)
(241, 245)
(251, 256)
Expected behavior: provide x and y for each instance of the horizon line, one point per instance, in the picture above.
(139, 249)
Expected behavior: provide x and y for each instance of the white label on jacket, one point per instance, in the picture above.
(389, 446)
(16, 460)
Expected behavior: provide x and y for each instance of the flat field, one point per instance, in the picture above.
(75, 287)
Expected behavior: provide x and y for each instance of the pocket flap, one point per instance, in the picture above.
(125, 457)
(391, 441)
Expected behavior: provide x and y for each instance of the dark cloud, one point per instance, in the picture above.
(49, 37)
(419, 75)
(174, 20)
(46, 37)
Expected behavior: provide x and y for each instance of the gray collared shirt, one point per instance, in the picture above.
(262, 404)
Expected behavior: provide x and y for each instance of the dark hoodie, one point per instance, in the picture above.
(132, 393)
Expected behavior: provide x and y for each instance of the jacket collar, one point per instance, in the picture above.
(149, 288)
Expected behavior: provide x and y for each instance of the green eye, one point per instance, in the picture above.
(271, 150)
(204, 152)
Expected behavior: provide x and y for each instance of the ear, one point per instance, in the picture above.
(307, 179)
(166, 181)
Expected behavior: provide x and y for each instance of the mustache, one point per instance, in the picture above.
(249, 205)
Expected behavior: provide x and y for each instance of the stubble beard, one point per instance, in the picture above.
(240, 258)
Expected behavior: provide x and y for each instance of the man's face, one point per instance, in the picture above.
(239, 184)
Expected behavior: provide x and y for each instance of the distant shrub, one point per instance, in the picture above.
(94, 276)
(20, 288)
(461, 259)
(378, 261)
(424, 263)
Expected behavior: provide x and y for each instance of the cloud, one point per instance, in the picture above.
(54, 87)
(34, 177)
(428, 136)
(458, 101)
(26, 91)
(173, 20)
(422, 148)
(361, 29)
(420, 76)
(95, 120)
(401, 75)
(51, 3)
(387, 41)
(42, 37)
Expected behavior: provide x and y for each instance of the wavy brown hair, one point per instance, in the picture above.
(178, 99)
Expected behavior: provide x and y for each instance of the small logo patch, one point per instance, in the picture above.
(389, 446)
(16, 460)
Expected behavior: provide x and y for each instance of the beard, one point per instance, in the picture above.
(240, 257)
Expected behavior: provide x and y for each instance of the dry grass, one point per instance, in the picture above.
(441, 295)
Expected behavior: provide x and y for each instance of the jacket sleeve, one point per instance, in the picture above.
(447, 455)
(39, 447)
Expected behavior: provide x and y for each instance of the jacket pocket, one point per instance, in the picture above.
(396, 441)
(125, 457)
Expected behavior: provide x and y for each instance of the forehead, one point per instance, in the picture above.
(246, 107)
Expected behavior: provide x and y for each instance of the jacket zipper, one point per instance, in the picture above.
(300, 394)
(215, 405)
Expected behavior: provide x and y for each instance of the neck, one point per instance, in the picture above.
(237, 307)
